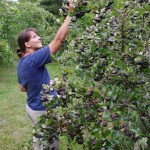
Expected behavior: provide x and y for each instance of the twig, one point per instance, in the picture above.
(128, 106)
(130, 10)
(143, 121)
(148, 51)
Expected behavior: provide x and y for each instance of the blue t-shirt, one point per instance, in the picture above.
(32, 74)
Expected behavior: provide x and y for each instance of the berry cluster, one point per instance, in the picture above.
(80, 9)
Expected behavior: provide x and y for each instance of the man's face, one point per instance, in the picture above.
(34, 41)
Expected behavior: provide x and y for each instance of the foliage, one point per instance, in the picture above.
(16, 17)
(51, 5)
(107, 104)
(5, 53)
(32, 1)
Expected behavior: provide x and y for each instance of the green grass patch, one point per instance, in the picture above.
(15, 127)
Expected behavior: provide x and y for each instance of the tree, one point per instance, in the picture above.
(5, 52)
(51, 5)
(15, 17)
(32, 1)
(106, 106)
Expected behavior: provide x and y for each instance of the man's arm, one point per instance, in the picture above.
(22, 88)
(61, 33)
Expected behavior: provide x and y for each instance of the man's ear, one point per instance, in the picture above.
(27, 44)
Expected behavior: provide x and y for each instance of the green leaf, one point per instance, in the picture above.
(111, 105)
(143, 142)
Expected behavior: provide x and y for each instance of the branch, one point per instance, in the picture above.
(117, 10)
(130, 10)
(127, 105)
(148, 116)
(54, 134)
(142, 120)
(149, 51)
(138, 110)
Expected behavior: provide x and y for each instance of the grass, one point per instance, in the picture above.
(15, 126)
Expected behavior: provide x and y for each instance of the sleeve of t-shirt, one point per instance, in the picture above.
(41, 57)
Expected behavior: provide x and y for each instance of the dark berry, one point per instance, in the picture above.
(114, 116)
(141, 1)
(67, 3)
(116, 128)
(79, 14)
(88, 11)
(104, 123)
(84, 3)
(146, 15)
